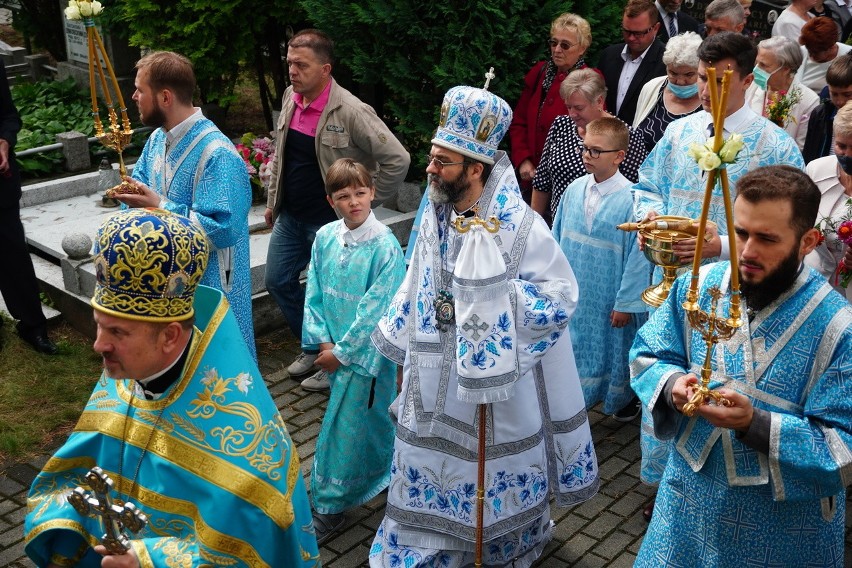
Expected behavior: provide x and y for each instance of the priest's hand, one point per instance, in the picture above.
(126, 560)
(685, 249)
(326, 359)
(683, 390)
(146, 198)
(736, 417)
(640, 238)
(619, 319)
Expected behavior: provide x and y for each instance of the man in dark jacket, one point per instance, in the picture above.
(820, 138)
(673, 20)
(18, 282)
(627, 66)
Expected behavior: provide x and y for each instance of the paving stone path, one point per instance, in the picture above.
(606, 531)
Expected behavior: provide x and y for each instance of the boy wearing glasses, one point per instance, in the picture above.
(610, 310)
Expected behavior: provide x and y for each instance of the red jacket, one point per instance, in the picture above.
(528, 130)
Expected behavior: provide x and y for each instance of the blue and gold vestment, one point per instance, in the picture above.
(210, 463)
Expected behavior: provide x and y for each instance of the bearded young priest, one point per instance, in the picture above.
(763, 481)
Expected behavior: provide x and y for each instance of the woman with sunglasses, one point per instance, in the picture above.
(583, 94)
(540, 103)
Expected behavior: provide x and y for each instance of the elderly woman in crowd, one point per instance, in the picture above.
(673, 95)
(821, 45)
(833, 176)
(583, 93)
(774, 87)
(540, 103)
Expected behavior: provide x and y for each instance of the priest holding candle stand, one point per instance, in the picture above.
(670, 183)
(759, 482)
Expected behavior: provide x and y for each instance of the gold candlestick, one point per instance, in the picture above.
(119, 134)
(713, 327)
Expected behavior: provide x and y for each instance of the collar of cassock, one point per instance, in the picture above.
(153, 387)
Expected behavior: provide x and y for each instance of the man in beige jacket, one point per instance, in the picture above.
(320, 122)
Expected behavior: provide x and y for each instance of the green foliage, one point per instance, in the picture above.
(48, 108)
(417, 50)
(218, 36)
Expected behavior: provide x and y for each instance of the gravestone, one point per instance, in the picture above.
(121, 54)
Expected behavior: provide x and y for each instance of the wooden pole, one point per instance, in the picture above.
(480, 489)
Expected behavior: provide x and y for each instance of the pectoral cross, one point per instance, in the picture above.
(115, 518)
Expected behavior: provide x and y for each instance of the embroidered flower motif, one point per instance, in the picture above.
(524, 489)
(580, 472)
(455, 501)
(244, 382)
(210, 375)
(490, 348)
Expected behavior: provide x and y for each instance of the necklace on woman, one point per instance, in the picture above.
(124, 442)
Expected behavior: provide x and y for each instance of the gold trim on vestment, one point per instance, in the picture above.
(66, 524)
(145, 560)
(210, 538)
(202, 464)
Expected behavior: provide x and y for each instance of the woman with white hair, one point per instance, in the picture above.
(584, 93)
(775, 93)
(833, 176)
(672, 96)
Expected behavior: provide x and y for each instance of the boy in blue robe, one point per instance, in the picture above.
(356, 267)
(610, 269)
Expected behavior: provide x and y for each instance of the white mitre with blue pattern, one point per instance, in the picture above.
(473, 122)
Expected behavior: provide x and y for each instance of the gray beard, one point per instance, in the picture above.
(441, 191)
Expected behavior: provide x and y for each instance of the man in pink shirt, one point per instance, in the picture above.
(320, 122)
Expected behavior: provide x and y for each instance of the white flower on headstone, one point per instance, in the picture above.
(72, 12)
(79, 9)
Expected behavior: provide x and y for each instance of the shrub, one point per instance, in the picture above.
(48, 108)
(414, 51)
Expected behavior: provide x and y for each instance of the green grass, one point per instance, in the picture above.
(41, 396)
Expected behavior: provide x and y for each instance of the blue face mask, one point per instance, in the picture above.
(683, 91)
(845, 163)
(761, 77)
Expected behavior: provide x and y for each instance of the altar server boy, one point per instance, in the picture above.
(356, 267)
(610, 269)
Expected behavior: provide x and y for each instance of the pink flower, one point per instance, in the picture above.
(263, 145)
(844, 232)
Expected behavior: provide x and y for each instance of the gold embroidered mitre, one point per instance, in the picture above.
(148, 263)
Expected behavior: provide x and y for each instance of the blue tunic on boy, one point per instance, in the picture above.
(352, 277)
(722, 503)
(611, 272)
(198, 173)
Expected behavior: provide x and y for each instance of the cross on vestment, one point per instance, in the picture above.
(475, 326)
(115, 518)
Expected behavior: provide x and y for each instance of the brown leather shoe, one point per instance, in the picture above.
(648, 511)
